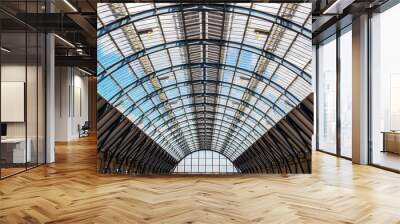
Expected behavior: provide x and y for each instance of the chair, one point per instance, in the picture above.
(84, 130)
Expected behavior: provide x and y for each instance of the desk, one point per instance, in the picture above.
(13, 150)
(391, 141)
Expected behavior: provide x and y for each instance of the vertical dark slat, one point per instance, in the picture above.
(26, 87)
(316, 114)
(338, 97)
(37, 90)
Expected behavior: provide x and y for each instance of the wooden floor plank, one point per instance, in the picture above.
(70, 191)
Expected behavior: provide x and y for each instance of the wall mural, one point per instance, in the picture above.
(204, 88)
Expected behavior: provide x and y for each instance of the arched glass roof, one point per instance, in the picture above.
(204, 76)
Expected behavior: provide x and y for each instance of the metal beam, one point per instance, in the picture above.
(79, 61)
(293, 99)
(283, 137)
(204, 7)
(222, 43)
(128, 110)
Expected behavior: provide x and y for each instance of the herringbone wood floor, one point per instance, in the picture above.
(70, 191)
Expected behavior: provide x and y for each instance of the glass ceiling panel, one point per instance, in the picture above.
(204, 77)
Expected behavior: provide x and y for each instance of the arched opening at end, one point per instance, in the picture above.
(205, 162)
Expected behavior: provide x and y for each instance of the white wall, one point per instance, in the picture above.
(81, 113)
(71, 103)
(61, 103)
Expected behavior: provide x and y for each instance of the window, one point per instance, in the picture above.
(385, 88)
(327, 95)
(346, 92)
(334, 106)
(205, 162)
